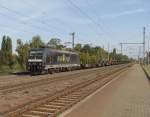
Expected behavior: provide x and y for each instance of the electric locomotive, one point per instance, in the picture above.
(51, 60)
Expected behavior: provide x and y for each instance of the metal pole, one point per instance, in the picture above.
(121, 47)
(148, 52)
(108, 51)
(73, 35)
(139, 54)
(144, 45)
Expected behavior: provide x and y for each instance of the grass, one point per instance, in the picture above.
(5, 69)
(147, 69)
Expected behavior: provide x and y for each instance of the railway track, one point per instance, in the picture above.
(53, 105)
(27, 85)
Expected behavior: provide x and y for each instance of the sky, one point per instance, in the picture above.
(95, 22)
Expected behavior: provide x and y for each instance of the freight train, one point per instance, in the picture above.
(47, 60)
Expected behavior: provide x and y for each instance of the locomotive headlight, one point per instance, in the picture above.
(40, 63)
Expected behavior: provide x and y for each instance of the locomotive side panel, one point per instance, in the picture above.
(61, 61)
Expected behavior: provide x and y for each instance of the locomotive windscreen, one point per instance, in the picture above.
(35, 54)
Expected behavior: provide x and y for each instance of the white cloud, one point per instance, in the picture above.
(124, 13)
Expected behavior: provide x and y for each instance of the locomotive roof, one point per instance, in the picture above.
(53, 50)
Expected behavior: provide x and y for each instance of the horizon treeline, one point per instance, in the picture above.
(88, 54)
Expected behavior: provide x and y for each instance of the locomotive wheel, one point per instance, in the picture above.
(50, 71)
(70, 69)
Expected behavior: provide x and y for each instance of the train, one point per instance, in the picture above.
(48, 60)
(52, 60)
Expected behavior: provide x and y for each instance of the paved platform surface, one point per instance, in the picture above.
(128, 96)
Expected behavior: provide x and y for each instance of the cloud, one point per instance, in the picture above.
(131, 2)
(124, 13)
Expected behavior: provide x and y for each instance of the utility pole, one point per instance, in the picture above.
(139, 59)
(144, 30)
(143, 44)
(148, 52)
(73, 35)
(121, 47)
(108, 51)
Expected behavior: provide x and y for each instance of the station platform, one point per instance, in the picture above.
(127, 96)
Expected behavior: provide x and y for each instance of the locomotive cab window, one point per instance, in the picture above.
(35, 55)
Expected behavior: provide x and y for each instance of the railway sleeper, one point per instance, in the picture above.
(52, 106)
(63, 101)
(56, 103)
(72, 96)
(28, 115)
(76, 94)
(68, 99)
(51, 110)
(40, 113)
(65, 107)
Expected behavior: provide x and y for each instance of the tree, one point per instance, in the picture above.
(3, 50)
(6, 51)
(37, 42)
(1, 57)
(22, 50)
(114, 54)
(78, 47)
(3, 45)
(86, 48)
(9, 45)
(55, 43)
(9, 52)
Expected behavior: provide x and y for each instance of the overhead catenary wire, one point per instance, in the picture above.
(37, 20)
(98, 26)
(30, 24)
(67, 27)
(24, 23)
(73, 27)
(50, 26)
(107, 34)
(44, 14)
(14, 28)
(99, 19)
(86, 15)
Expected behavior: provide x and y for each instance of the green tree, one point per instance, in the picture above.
(3, 50)
(1, 57)
(78, 47)
(37, 42)
(114, 54)
(9, 45)
(9, 52)
(3, 45)
(6, 51)
(55, 43)
(22, 50)
(86, 48)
